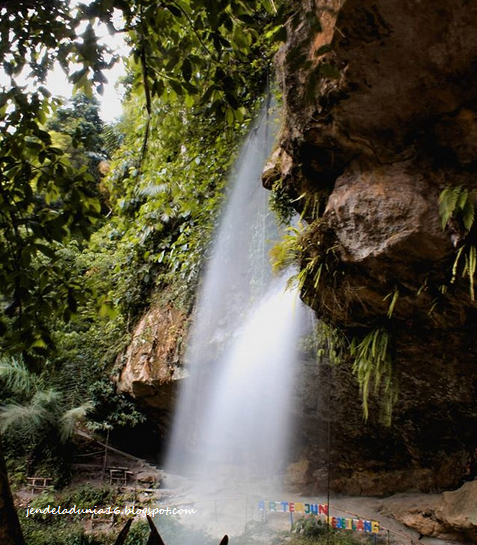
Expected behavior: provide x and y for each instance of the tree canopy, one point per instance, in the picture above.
(210, 55)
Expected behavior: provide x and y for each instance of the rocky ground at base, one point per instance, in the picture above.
(230, 505)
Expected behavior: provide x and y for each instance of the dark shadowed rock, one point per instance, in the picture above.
(380, 117)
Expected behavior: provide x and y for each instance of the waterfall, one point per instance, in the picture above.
(232, 416)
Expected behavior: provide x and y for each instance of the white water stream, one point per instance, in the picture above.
(232, 427)
(232, 418)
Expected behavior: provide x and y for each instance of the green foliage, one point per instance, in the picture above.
(36, 416)
(79, 119)
(45, 529)
(281, 204)
(162, 217)
(394, 296)
(332, 343)
(205, 53)
(313, 531)
(310, 527)
(85, 497)
(173, 197)
(113, 138)
(470, 263)
(138, 534)
(110, 410)
(70, 418)
(312, 270)
(43, 204)
(373, 366)
(287, 250)
(291, 249)
(313, 205)
(77, 129)
(73, 533)
(88, 345)
(41, 502)
(28, 420)
(15, 378)
(198, 66)
(69, 529)
(458, 204)
(36, 35)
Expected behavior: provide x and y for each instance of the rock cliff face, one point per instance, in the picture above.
(380, 117)
(149, 368)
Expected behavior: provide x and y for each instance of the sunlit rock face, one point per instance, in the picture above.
(450, 515)
(380, 117)
(150, 366)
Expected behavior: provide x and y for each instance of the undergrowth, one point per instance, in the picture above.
(75, 534)
(75, 529)
(312, 531)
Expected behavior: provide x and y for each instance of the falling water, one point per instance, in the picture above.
(231, 420)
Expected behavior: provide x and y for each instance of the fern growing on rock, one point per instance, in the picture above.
(373, 367)
(458, 204)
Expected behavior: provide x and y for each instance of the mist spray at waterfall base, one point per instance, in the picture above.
(231, 431)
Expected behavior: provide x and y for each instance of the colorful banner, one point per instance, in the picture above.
(340, 523)
(294, 507)
(359, 525)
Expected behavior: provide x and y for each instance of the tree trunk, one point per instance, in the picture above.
(10, 530)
